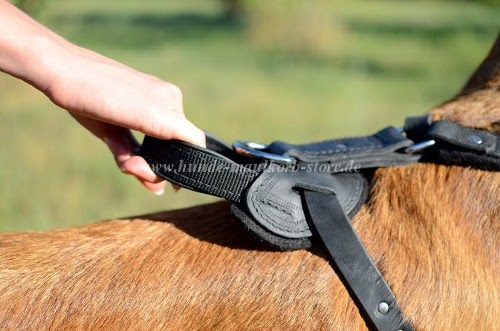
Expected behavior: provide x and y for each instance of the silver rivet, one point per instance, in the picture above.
(383, 308)
(476, 139)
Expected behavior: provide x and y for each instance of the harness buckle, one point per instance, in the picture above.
(253, 149)
(415, 148)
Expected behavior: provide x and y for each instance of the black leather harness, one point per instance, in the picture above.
(293, 196)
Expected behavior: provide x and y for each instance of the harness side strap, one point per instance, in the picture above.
(368, 289)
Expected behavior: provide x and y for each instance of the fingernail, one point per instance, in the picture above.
(122, 169)
(160, 192)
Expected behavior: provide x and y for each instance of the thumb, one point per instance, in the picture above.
(177, 127)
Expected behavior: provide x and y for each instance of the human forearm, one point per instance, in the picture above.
(103, 95)
(24, 46)
(29, 51)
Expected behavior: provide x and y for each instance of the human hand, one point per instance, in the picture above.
(108, 98)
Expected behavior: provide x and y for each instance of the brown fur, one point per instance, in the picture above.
(433, 231)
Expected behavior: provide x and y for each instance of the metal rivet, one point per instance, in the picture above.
(383, 308)
(476, 139)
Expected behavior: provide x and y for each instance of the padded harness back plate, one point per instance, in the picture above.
(274, 202)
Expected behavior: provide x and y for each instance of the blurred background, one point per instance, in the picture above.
(292, 70)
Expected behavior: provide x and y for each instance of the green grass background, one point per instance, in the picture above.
(393, 59)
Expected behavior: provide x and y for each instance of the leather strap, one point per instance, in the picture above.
(455, 144)
(381, 149)
(368, 289)
(273, 211)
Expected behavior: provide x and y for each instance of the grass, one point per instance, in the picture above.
(393, 59)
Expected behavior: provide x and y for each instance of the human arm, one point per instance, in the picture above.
(106, 97)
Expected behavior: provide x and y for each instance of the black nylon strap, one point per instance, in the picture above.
(196, 168)
(361, 277)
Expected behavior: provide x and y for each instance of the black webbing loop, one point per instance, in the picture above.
(367, 287)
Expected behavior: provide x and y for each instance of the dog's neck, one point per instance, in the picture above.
(477, 105)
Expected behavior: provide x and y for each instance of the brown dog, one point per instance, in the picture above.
(433, 231)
